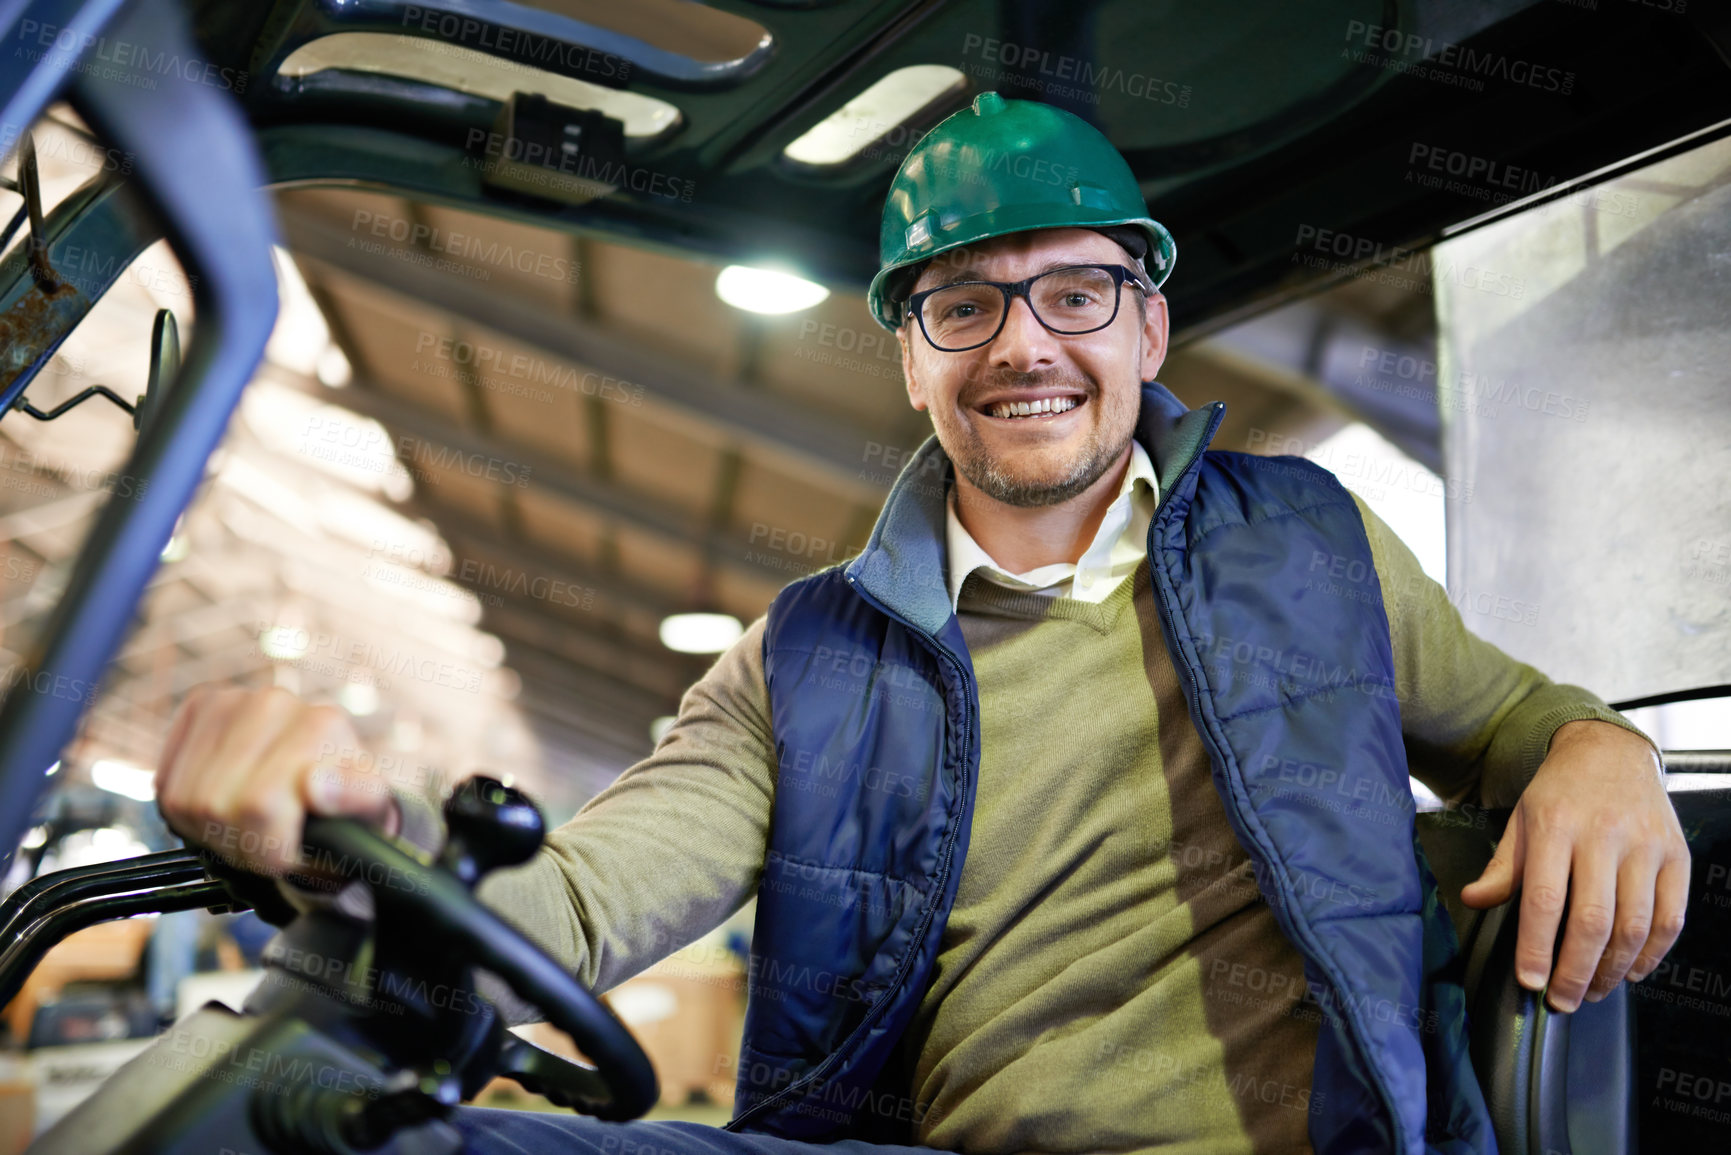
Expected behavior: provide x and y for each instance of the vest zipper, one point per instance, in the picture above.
(1191, 678)
(943, 876)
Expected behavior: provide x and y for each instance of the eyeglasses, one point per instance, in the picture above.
(1068, 301)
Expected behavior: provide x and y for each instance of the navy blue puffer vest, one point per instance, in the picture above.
(1271, 610)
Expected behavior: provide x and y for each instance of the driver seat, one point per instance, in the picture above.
(1555, 1084)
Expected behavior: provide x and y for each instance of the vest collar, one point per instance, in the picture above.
(903, 563)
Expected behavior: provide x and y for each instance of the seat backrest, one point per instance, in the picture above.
(1555, 1084)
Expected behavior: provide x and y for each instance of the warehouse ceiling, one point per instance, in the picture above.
(483, 461)
(506, 425)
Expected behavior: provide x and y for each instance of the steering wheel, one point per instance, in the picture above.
(490, 825)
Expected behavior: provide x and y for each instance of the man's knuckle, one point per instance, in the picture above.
(1633, 930)
(1593, 918)
(1545, 899)
(258, 811)
(326, 716)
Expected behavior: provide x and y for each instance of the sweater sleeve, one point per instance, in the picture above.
(1476, 721)
(669, 849)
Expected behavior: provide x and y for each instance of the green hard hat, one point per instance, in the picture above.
(1005, 166)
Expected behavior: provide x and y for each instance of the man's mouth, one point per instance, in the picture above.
(1043, 407)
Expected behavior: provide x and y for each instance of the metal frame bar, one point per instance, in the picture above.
(196, 166)
(22, 955)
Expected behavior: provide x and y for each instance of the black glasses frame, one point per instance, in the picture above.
(1012, 290)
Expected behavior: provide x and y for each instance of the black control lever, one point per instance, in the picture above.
(493, 825)
(314, 1120)
(543, 1073)
(490, 825)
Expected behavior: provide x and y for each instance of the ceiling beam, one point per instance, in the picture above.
(473, 537)
(551, 475)
(665, 675)
(770, 421)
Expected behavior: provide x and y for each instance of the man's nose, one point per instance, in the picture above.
(1023, 343)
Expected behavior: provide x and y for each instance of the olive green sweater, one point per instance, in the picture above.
(1109, 978)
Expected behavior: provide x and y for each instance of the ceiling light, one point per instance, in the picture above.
(700, 633)
(333, 369)
(123, 778)
(359, 698)
(879, 114)
(477, 73)
(284, 643)
(767, 290)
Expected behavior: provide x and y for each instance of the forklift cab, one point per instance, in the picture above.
(1291, 148)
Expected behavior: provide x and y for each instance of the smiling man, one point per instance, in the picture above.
(1076, 806)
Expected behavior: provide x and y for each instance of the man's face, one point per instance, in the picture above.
(1047, 458)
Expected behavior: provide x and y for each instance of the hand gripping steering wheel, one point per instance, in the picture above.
(492, 825)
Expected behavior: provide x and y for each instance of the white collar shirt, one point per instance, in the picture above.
(1119, 546)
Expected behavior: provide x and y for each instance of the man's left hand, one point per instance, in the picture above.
(1596, 827)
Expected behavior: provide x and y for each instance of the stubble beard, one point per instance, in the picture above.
(990, 475)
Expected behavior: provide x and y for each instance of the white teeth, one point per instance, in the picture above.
(1032, 408)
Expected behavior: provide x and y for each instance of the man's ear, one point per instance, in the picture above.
(1154, 336)
(916, 392)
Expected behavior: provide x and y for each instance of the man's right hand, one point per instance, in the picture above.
(241, 769)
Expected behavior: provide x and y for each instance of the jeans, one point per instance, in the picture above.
(490, 1131)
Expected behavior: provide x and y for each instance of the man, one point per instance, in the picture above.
(1076, 806)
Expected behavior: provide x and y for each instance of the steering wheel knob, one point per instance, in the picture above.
(490, 825)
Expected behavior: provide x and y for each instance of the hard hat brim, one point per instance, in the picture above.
(885, 299)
